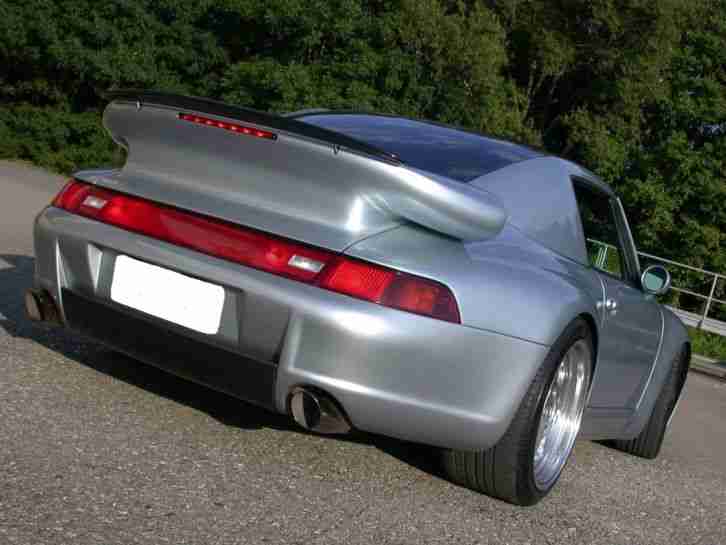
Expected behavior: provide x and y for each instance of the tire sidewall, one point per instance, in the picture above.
(575, 331)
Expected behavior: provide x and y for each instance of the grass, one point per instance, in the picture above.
(708, 344)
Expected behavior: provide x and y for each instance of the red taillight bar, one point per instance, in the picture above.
(232, 127)
(203, 234)
(258, 250)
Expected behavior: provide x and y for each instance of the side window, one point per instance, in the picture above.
(601, 234)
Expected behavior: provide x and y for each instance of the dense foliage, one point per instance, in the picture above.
(709, 345)
(634, 89)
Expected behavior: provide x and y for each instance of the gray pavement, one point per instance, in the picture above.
(98, 449)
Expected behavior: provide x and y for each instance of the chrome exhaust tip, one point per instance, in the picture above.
(40, 306)
(317, 411)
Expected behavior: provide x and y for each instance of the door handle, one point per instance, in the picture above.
(611, 305)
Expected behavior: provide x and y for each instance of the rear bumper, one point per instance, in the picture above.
(160, 345)
(394, 373)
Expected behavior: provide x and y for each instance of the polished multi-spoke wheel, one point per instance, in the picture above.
(527, 461)
(561, 414)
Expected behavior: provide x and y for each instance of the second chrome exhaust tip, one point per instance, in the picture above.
(317, 411)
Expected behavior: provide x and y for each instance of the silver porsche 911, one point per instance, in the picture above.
(370, 272)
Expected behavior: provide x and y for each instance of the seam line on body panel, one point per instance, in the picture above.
(655, 361)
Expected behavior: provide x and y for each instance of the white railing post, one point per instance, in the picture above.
(602, 258)
(711, 295)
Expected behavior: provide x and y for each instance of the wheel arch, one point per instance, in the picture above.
(675, 339)
(684, 370)
(595, 332)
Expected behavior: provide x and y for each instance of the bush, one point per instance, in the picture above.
(708, 344)
(635, 90)
(55, 138)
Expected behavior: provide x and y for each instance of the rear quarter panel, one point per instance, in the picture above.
(513, 286)
(675, 336)
(509, 285)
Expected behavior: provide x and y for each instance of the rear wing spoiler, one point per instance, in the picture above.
(248, 115)
(304, 182)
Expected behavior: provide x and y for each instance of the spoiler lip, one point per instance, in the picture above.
(240, 113)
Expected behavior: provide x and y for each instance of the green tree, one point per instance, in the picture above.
(633, 89)
(419, 58)
(58, 57)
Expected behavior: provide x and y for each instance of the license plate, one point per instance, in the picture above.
(167, 295)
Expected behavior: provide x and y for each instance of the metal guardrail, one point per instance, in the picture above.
(698, 320)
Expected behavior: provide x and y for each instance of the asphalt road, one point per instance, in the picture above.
(96, 448)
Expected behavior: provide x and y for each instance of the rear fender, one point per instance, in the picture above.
(509, 284)
(675, 337)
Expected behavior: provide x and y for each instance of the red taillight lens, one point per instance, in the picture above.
(71, 195)
(357, 279)
(422, 296)
(276, 255)
(390, 288)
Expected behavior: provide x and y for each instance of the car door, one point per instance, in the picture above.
(631, 321)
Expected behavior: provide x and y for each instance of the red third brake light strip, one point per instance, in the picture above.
(232, 127)
(276, 255)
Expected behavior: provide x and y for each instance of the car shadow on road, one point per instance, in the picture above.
(16, 275)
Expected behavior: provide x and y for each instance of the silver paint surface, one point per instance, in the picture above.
(510, 246)
(294, 186)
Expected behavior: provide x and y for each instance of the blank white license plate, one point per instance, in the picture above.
(167, 295)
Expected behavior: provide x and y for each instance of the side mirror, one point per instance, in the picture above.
(656, 280)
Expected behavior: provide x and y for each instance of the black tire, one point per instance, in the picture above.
(506, 471)
(648, 443)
